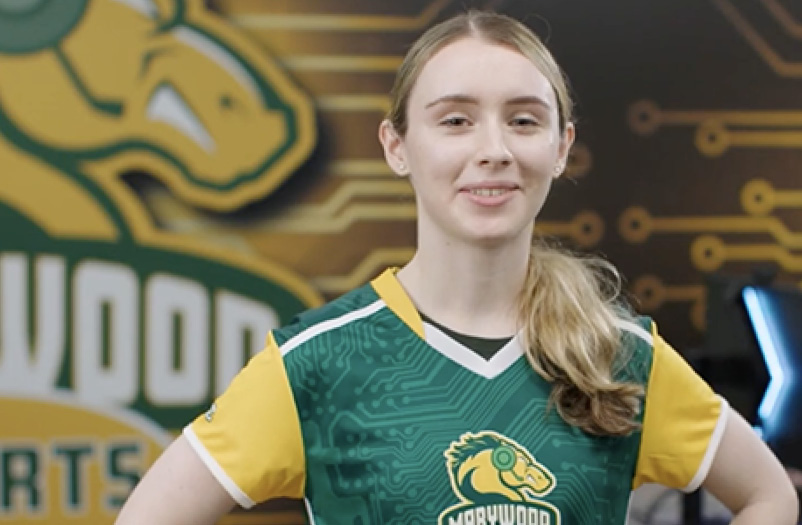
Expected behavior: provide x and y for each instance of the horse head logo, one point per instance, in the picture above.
(489, 468)
(103, 88)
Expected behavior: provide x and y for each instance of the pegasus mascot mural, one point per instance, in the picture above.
(114, 333)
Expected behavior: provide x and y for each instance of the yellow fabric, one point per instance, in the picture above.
(391, 291)
(254, 434)
(680, 416)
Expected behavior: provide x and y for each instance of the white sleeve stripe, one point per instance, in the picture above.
(331, 324)
(217, 471)
(635, 329)
(712, 448)
(309, 514)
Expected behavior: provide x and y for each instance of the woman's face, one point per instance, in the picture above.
(482, 143)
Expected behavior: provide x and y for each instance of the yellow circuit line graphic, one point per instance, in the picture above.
(653, 294)
(347, 192)
(710, 252)
(377, 103)
(779, 65)
(637, 225)
(325, 22)
(759, 197)
(353, 214)
(365, 270)
(342, 63)
(585, 229)
(714, 133)
(646, 117)
(784, 18)
(360, 168)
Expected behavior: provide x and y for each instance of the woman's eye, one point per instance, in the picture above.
(524, 122)
(454, 121)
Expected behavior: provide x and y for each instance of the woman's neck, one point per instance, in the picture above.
(471, 290)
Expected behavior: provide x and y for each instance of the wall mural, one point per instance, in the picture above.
(179, 174)
(115, 332)
(765, 199)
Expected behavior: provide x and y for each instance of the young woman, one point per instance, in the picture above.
(488, 381)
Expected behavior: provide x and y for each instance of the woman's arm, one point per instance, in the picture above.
(177, 490)
(747, 478)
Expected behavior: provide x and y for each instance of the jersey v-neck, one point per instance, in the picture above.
(391, 292)
(485, 347)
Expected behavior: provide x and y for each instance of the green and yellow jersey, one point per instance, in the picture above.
(375, 417)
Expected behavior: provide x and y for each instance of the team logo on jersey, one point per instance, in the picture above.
(209, 415)
(497, 481)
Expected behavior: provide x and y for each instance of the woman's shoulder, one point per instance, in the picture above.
(344, 310)
(636, 329)
(637, 348)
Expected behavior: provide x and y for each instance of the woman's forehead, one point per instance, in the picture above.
(476, 68)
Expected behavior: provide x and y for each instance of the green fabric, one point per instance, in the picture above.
(396, 432)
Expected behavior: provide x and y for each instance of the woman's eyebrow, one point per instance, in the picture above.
(463, 99)
(528, 100)
(522, 100)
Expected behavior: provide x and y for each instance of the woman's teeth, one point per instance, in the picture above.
(487, 192)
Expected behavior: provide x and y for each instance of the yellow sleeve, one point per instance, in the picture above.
(251, 436)
(683, 423)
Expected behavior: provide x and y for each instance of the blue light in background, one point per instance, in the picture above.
(773, 347)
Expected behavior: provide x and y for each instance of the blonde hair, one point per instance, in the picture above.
(570, 305)
(570, 308)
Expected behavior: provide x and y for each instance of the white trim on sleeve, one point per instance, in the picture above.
(712, 448)
(309, 514)
(217, 471)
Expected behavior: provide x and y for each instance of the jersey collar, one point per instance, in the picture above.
(395, 297)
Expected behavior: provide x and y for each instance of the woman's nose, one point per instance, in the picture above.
(492, 150)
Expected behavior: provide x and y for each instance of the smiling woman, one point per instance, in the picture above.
(481, 156)
(487, 381)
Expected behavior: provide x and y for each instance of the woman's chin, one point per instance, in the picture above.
(497, 238)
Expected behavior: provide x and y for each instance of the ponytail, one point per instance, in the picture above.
(570, 308)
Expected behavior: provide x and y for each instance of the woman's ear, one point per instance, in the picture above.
(393, 145)
(566, 141)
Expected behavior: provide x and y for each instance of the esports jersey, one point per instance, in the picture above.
(374, 417)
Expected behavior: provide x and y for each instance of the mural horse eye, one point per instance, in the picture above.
(31, 26)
